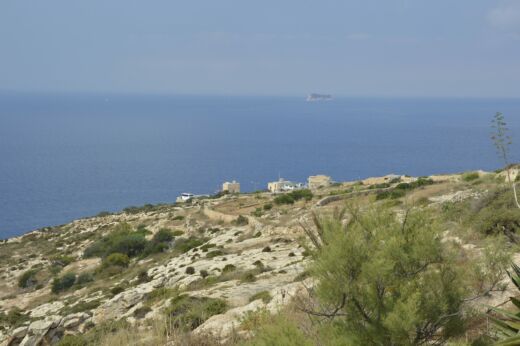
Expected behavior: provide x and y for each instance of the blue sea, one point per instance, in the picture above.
(64, 157)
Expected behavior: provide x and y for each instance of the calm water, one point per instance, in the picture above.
(64, 157)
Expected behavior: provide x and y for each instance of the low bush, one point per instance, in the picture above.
(268, 206)
(266, 249)
(184, 245)
(141, 312)
(215, 253)
(62, 261)
(470, 176)
(164, 235)
(241, 221)
(28, 279)
(84, 278)
(190, 270)
(116, 290)
(228, 268)
(257, 212)
(190, 312)
(284, 199)
(264, 295)
(63, 283)
(122, 240)
(117, 260)
(14, 317)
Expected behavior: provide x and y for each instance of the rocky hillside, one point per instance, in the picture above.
(203, 266)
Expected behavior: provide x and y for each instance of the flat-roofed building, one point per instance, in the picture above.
(317, 181)
(231, 187)
(283, 185)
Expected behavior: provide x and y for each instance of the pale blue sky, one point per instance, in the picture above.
(284, 47)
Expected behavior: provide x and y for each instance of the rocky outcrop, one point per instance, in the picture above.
(48, 331)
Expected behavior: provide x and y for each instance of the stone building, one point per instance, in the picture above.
(317, 181)
(231, 187)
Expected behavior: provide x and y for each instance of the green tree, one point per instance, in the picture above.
(387, 282)
(502, 140)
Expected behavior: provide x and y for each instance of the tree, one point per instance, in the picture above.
(387, 282)
(502, 141)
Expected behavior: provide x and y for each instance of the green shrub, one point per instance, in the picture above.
(241, 221)
(117, 260)
(190, 270)
(268, 206)
(122, 240)
(190, 312)
(301, 194)
(82, 307)
(178, 218)
(164, 235)
(390, 194)
(141, 312)
(365, 263)
(207, 246)
(143, 277)
(496, 213)
(63, 283)
(248, 276)
(28, 279)
(177, 233)
(284, 199)
(470, 176)
(84, 278)
(184, 245)
(14, 317)
(264, 295)
(279, 330)
(215, 253)
(72, 340)
(257, 212)
(116, 290)
(203, 273)
(228, 268)
(266, 249)
(62, 261)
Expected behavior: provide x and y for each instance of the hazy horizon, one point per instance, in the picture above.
(344, 48)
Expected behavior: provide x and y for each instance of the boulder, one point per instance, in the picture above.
(19, 332)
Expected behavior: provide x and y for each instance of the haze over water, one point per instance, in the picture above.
(70, 156)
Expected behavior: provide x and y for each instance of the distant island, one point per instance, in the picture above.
(318, 97)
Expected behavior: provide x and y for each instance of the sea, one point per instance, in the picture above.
(67, 156)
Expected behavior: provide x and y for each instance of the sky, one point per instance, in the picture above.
(389, 48)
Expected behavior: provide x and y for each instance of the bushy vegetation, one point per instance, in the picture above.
(28, 279)
(470, 176)
(400, 189)
(131, 243)
(264, 295)
(495, 213)
(384, 280)
(190, 312)
(291, 197)
(241, 221)
(63, 283)
(185, 245)
(122, 240)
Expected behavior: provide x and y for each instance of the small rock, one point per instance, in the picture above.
(19, 332)
(71, 323)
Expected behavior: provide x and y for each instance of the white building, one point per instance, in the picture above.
(283, 185)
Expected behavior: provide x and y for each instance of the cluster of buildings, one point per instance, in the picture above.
(281, 185)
